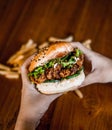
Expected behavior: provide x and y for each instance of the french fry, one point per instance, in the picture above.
(9, 74)
(12, 76)
(4, 67)
(27, 49)
(43, 45)
(11, 58)
(16, 69)
(18, 59)
(33, 50)
(79, 93)
(29, 43)
(87, 43)
(68, 39)
(3, 72)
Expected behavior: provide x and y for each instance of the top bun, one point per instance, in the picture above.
(58, 49)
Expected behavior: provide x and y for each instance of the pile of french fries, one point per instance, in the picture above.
(12, 69)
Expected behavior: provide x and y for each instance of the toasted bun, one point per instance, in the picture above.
(56, 50)
(62, 86)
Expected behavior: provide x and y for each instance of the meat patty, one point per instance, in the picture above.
(57, 72)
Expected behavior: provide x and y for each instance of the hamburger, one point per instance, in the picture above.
(57, 68)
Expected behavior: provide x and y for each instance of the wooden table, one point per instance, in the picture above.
(39, 19)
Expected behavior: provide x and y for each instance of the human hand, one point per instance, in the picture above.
(33, 103)
(101, 71)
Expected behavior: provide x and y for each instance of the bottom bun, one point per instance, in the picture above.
(61, 86)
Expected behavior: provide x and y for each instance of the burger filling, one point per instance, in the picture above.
(58, 69)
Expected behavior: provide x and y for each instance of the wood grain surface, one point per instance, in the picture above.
(39, 19)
